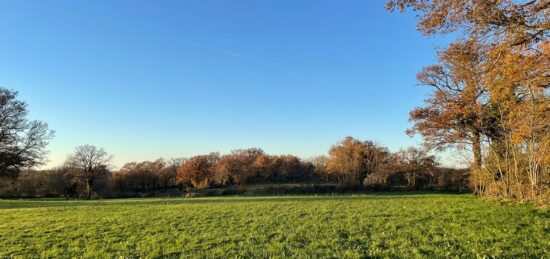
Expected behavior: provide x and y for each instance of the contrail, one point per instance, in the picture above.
(277, 66)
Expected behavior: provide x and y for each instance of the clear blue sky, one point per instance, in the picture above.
(149, 79)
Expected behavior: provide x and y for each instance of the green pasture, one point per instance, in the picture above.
(345, 226)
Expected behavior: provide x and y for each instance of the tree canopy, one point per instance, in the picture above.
(22, 141)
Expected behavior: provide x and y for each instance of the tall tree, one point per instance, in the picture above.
(513, 38)
(352, 160)
(22, 141)
(92, 162)
(453, 116)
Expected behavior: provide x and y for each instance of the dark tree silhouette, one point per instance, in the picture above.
(92, 162)
(22, 142)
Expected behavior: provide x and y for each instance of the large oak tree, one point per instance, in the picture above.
(512, 38)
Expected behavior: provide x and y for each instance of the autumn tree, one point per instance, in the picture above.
(22, 141)
(167, 176)
(504, 22)
(352, 160)
(143, 176)
(453, 115)
(91, 162)
(513, 39)
(231, 170)
(416, 164)
(288, 168)
(198, 171)
(319, 164)
(264, 166)
(518, 87)
(412, 168)
(235, 168)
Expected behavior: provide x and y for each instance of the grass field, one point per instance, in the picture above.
(384, 225)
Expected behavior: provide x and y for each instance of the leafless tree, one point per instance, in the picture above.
(22, 142)
(92, 162)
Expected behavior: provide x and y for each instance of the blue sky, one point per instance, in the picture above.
(149, 79)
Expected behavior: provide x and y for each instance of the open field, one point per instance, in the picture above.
(383, 225)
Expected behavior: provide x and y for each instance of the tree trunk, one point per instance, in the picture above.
(478, 162)
(476, 147)
(89, 186)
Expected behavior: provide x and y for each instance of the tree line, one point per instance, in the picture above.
(351, 165)
(490, 91)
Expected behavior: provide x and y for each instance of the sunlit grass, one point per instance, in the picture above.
(425, 225)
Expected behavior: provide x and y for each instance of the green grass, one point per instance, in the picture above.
(389, 225)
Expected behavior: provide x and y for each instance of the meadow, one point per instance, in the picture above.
(344, 226)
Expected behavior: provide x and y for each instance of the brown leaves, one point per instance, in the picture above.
(514, 22)
(490, 86)
(198, 171)
(452, 113)
(353, 160)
